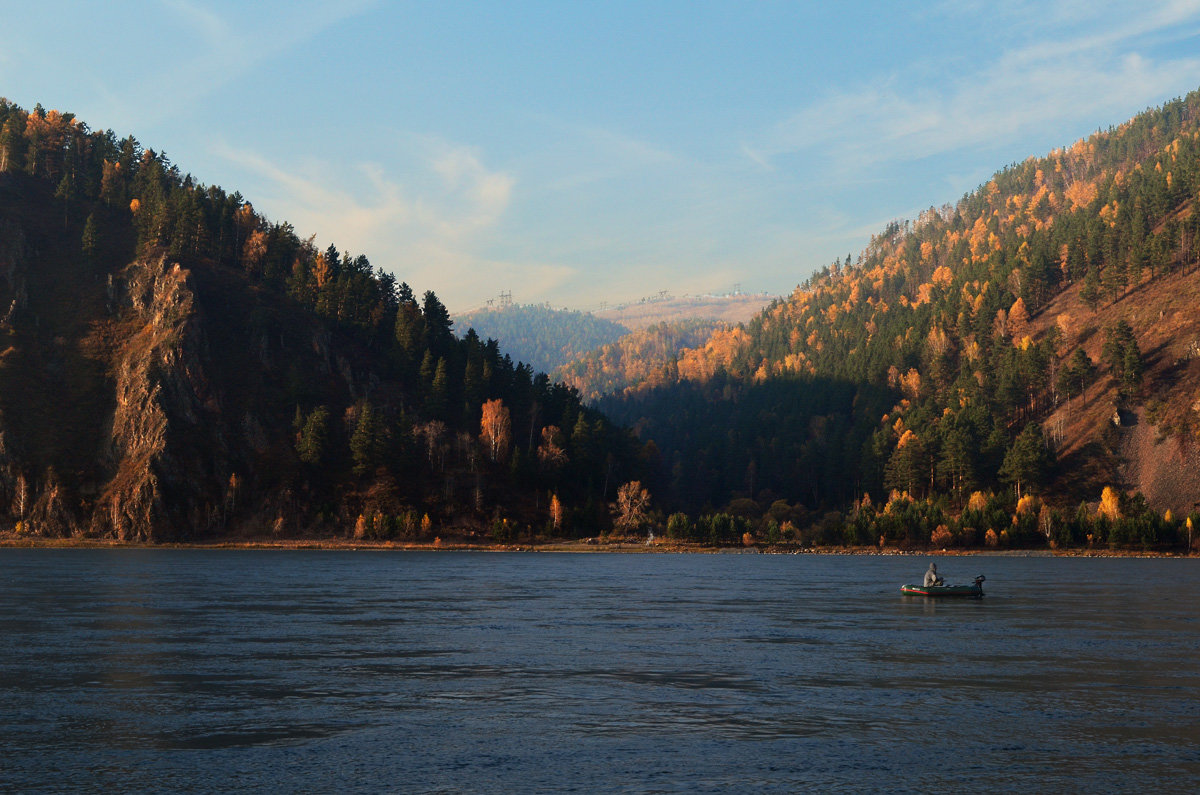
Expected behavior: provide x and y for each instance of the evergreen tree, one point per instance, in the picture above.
(365, 443)
(1028, 461)
(438, 336)
(90, 240)
(1122, 355)
(439, 390)
(310, 442)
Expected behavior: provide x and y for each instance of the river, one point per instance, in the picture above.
(215, 670)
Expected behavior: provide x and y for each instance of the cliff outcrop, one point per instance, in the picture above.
(123, 413)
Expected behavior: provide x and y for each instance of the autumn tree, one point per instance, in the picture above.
(1110, 503)
(254, 251)
(556, 512)
(495, 429)
(631, 509)
(551, 454)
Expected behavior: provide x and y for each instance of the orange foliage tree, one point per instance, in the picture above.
(633, 503)
(556, 512)
(495, 429)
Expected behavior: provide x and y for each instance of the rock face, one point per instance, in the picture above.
(153, 389)
(147, 401)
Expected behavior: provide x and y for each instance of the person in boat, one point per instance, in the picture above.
(932, 577)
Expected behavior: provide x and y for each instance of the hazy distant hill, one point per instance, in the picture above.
(539, 336)
(728, 309)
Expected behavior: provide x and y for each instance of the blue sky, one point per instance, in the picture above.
(578, 152)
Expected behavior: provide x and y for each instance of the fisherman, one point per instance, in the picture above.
(931, 576)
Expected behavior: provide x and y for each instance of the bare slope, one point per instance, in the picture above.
(728, 309)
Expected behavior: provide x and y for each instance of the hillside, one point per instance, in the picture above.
(1004, 333)
(175, 366)
(643, 357)
(539, 336)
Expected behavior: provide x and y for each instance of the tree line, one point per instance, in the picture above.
(417, 439)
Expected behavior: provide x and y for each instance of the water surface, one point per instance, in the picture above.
(482, 672)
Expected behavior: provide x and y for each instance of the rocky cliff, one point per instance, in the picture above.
(139, 397)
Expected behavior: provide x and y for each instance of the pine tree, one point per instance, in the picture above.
(439, 390)
(365, 446)
(438, 336)
(90, 240)
(1028, 460)
(310, 442)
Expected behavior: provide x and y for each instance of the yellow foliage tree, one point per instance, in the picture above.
(556, 512)
(1018, 319)
(321, 271)
(254, 251)
(1110, 503)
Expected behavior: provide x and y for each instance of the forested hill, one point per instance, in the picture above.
(639, 359)
(539, 336)
(174, 365)
(1039, 336)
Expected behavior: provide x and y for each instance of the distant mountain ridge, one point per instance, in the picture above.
(727, 309)
(541, 337)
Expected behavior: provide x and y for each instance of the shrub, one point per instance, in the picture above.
(941, 537)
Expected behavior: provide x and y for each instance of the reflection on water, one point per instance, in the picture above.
(166, 669)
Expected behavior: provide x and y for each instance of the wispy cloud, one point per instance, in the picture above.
(214, 50)
(1045, 83)
(429, 225)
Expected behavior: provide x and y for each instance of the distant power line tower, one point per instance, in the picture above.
(737, 288)
(506, 299)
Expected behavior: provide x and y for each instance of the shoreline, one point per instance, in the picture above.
(581, 546)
